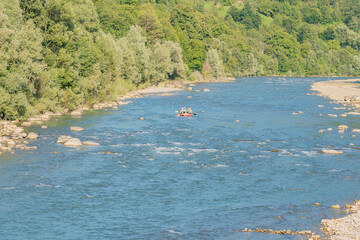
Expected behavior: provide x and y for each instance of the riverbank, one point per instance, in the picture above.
(342, 91)
(346, 92)
(13, 135)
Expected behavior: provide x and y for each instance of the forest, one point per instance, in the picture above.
(56, 55)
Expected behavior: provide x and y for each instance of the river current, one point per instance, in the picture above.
(169, 177)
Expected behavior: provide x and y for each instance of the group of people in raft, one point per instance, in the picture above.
(186, 111)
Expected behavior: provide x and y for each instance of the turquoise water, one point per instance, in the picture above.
(169, 177)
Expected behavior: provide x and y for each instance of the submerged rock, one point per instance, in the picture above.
(90, 143)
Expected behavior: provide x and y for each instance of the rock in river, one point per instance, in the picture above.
(32, 136)
(331, 151)
(90, 143)
(73, 142)
(63, 139)
(77, 129)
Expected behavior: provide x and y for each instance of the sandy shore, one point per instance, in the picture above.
(151, 90)
(346, 92)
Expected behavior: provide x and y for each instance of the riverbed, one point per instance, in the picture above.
(245, 161)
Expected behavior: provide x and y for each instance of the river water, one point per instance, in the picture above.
(202, 177)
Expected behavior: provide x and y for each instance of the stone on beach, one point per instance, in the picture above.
(77, 112)
(32, 136)
(331, 151)
(76, 129)
(90, 143)
(26, 124)
(73, 142)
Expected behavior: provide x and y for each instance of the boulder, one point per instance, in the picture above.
(142, 118)
(90, 143)
(335, 206)
(331, 151)
(206, 90)
(317, 204)
(332, 115)
(356, 130)
(63, 139)
(32, 136)
(73, 142)
(76, 129)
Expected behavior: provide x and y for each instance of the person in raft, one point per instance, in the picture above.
(183, 110)
(189, 111)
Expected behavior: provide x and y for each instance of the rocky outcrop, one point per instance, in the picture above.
(13, 137)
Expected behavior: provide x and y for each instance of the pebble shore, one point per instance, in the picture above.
(346, 92)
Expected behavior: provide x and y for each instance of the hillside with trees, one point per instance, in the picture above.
(60, 54)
